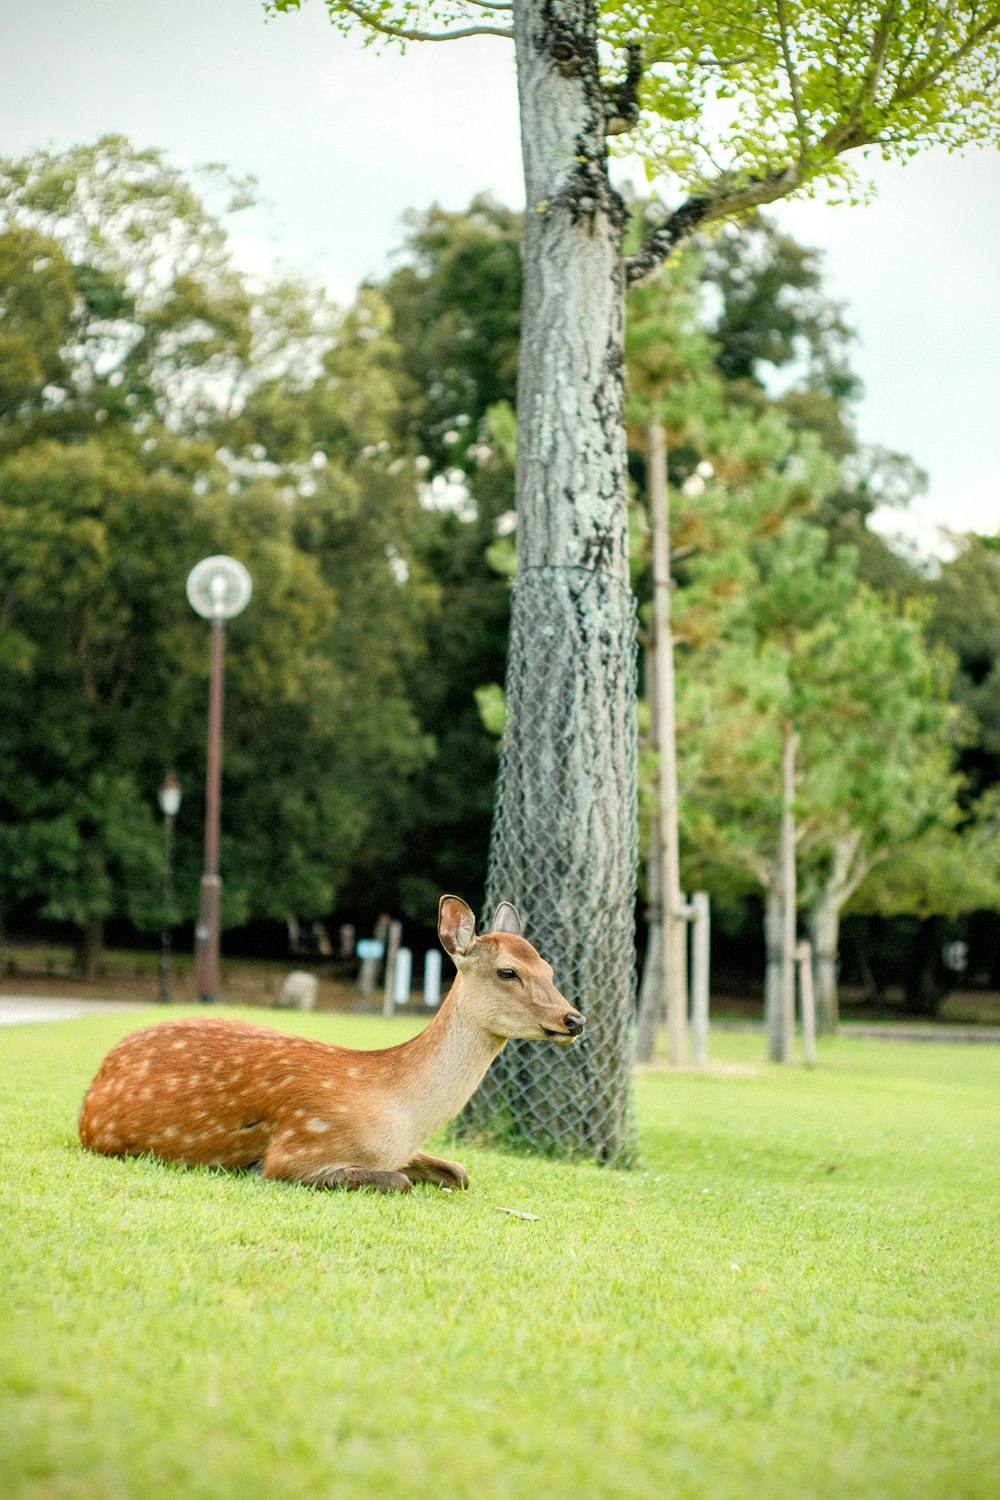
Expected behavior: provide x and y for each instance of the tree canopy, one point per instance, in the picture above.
(156, 406)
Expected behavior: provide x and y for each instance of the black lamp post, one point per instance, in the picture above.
(170, 800)
(217, 588)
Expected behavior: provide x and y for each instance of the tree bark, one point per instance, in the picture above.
(563, 845)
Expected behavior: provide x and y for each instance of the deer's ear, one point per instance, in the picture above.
(456, 926)
(506, 918)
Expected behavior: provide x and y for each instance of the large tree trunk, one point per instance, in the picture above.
(563, 846)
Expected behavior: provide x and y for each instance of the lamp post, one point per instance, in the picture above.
(170, 800)
(217, 588)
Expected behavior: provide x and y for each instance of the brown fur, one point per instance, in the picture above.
(213, 1092)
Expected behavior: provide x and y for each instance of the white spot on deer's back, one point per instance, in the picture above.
(178, 1045)
(317, 1126)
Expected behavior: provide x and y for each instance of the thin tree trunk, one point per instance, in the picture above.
(90, 948)
(773, 933)
(674, 967)
(824, 926)
(650, 1009)
(789, 898)
(563, 845)
(651, 988)
(849, 866)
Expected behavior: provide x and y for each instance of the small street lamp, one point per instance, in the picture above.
(170, 800)
(217, 588)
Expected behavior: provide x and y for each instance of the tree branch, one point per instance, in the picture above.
(698, 212)
(932, 75)
(405, 34)
(793, 77)
(662, 242)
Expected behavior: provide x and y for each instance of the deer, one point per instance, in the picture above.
(207, 1091)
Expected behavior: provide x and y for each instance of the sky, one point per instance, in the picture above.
(343, 141)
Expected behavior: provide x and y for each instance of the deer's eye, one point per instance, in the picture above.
(506, 973)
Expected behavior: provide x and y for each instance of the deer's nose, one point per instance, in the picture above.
(574, 1022)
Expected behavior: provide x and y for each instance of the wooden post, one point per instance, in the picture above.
(674, 926)
(807, 1003)
(391, 949)
(432, 978)
(700, 959)
(402, 976)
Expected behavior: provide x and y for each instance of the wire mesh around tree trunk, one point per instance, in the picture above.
(563, 849)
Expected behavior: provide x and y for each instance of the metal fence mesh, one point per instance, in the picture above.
(564, 851)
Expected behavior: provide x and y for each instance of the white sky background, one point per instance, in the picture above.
(343, 141)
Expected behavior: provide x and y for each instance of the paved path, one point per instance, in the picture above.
(15, 1010)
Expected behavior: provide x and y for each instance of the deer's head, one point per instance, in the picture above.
(504, 980)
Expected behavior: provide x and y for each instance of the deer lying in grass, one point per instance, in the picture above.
(222, 1093)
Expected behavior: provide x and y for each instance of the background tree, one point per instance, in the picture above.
(456, 308)
(965, 618)
(866, 704)
(172, 411)
(798, 88)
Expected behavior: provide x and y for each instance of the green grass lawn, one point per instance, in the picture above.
(796, 1296)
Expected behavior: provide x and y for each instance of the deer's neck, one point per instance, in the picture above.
(446, 1063)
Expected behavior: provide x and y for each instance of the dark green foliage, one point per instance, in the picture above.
(154, 410)
(456, 306)
(966, 619)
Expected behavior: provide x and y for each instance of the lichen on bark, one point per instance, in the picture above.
(564, 836)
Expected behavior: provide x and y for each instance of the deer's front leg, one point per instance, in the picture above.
(349, 1178)
(424, 1168)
